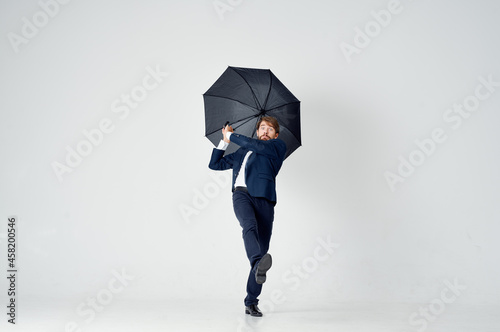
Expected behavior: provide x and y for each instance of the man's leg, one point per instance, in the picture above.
(244, 210)
(265, 215)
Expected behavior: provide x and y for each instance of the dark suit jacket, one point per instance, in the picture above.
(262, 166)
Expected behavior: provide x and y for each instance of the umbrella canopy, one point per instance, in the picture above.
(241, 96)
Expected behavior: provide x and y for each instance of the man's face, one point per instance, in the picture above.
(266, 132)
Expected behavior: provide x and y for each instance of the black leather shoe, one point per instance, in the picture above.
(264, 265)
(253, 310)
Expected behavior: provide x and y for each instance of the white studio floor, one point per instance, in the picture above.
(308, 316)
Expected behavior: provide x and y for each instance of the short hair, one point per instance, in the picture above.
(271, 120)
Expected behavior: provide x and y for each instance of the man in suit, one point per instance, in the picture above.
(255, 166)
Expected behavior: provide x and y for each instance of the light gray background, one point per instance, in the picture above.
(121, 207)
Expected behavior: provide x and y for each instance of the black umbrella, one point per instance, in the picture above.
(241, 96)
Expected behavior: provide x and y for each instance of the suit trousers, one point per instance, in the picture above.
(256, 215)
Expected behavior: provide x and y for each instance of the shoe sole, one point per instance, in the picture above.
(264, 265)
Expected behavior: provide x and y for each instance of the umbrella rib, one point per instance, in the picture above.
(268, 91)
(252, 107)
(295, 136)
(272, 109)
(248, 118)
(253, 93)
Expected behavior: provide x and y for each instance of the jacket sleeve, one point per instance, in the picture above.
(218, 162)
(274, 148)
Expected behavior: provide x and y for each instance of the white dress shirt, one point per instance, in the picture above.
(240, 179)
